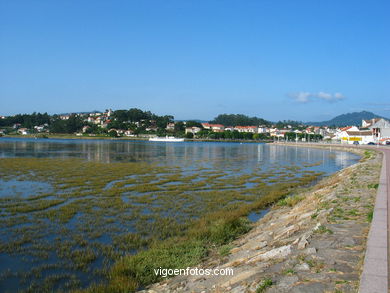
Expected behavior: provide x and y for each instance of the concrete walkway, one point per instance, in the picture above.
(374, 278)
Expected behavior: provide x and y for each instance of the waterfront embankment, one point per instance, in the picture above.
(314, 241)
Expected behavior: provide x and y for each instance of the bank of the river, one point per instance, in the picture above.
(312, 242)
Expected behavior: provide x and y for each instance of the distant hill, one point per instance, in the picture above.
(348, 119)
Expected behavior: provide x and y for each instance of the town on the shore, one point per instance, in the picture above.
(135, 123)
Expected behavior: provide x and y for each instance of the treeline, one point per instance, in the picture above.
(134, 119)
(128, 119)
(71, 125)
(243, 120)
(26, 120)
(239, 119)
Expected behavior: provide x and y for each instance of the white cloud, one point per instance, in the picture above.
(301, 97)
(305, 97)
(324, 96)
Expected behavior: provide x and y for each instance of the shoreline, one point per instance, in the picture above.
(317, 244)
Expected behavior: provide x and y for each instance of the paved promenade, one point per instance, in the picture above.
(375, 276)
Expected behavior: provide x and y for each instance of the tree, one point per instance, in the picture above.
(179, 127)
(239, 119)
(112, 133)
(192, 123)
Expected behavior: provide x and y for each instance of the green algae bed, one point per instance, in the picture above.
(105, 227)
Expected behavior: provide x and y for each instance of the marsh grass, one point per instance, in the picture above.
(134, 216)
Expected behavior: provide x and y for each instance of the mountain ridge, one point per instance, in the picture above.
(348, 119)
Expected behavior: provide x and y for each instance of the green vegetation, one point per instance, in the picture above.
(373, 185)
(290, 200)
(239, 119)
(131, 217)
(370, 215)
(265, 284)
(225, 250)
(323, 229)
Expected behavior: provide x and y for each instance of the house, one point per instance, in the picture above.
(249, 129)
(380, 130)
(129, 132)
(363, 137)
(214, 127)
(368, 123)
(108, 113)
(262, 129)
(93, 120)
(193, 130)
(341, 132)
(64, 117)
(40, 128)
(23, 131)
(170, 126)
(85, 128)
(151, 128)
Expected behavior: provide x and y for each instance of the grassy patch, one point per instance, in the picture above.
(370, 215)
(373, 185)
(264, 285)
(290, 200)
(323, 229)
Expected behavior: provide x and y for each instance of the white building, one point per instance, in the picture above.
(362, 137)
(262, 129)
(381, 130)
(214, 127)
(368, 123)
(193, 130)
(23, 131)
(170, 126)
(249, 129)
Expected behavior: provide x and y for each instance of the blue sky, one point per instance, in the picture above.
(303, 60)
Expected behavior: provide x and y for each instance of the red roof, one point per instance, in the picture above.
(345, 128)
(246, 127)
(212, 125)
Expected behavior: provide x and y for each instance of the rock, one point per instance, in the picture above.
(317, 226)
(310, 250)
(287, 282)
(302, 243)
(309, 288)
(305, 215)
(348, 241)
(261, 245)
(302, 267)
(239, 278)
(276, 253)
(286, 231)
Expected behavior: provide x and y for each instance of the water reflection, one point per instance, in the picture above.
(187, 154)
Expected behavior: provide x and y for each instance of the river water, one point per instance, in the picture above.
(226, 160)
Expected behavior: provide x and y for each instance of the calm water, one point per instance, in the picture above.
(231, 159)
(184, 154)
